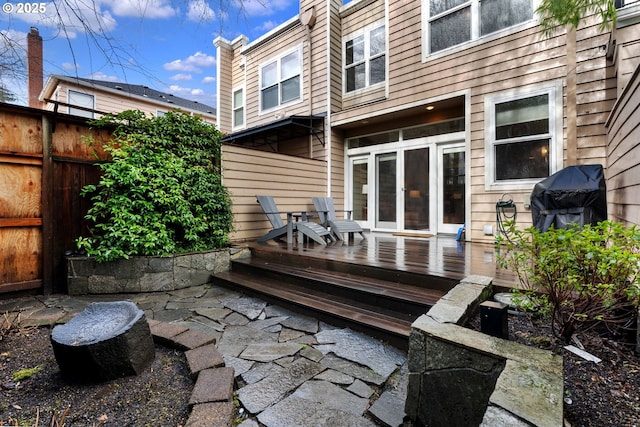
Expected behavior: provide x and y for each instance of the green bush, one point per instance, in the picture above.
(162, 191)
(578, 277)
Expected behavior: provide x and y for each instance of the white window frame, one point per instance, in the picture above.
(77, 111)
(366, 33)
(475, 27)
(235, 108)
(554, 91)
(278, 60)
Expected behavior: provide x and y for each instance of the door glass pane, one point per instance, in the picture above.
(360, 191)
(386, 194)
(416, 189)
(453, 185)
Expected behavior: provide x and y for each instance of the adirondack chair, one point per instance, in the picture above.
(310, 229)
(327, 213)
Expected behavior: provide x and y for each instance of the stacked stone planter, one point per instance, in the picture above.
(461, 377)
(145, 273)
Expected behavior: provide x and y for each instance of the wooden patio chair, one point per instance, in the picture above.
(310, 229)
(327, 213)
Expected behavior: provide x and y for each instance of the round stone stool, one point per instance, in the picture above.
(106, 340)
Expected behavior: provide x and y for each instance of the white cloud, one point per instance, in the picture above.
(154, 9)
(181, 77)
(267, 26)
(196, 92)
(72, 17)
(199, 11)
(208, 80)
(193, 64)
(69, 67)
(99, 75)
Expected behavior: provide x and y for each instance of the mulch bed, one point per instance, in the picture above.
(595, 394)
(157, 397)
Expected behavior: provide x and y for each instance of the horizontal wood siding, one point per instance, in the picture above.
(623, 149)
(628, 56)
(292, 181)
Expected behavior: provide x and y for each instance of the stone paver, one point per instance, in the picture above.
(317, 403)
(191, 339)
(389, 408)
(217, 414)
(270, 351)
(258, 396)
(360, 348)
(204, 357)
(213, 385)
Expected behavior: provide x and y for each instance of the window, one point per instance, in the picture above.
(453, 22)
(522, 144)
(160, 113)
(238, 108)
(365, 59)
(281, 81)
(83, 100)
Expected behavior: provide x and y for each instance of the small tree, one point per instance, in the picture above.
(560, 13)
(578, 277)
(162, 191)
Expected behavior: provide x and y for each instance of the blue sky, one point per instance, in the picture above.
(164, 44)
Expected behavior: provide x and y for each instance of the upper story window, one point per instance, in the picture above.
(238, 108)
(523, 144)
(365, 58)
(81, 99)
(453, 22)
(281, 80)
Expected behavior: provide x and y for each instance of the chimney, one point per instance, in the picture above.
(34, 67)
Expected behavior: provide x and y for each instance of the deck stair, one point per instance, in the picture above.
(380, 301)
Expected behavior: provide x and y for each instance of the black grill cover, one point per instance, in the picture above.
(573, 195)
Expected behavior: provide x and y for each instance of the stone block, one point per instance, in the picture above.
(218, 414)
(78, 285)
(213, 385)
(205, 357)
(191, 339)
(156, 282)
(107, 340)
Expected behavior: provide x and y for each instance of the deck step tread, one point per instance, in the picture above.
(318, 301)
(403, 292)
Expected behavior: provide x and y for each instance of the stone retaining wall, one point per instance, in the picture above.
(146, 273)
(461, 377)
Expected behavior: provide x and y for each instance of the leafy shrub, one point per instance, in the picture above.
(579, 277)
(162, 191)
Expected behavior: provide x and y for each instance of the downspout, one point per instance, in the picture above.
(308, 19)
(328, 132)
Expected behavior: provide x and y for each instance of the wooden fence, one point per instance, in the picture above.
(44, 162)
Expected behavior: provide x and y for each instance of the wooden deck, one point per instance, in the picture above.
(379, 285)
(440, 256)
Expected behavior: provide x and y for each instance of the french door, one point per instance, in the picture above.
(417, 188)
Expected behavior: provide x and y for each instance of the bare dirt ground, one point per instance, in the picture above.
(157, 397)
